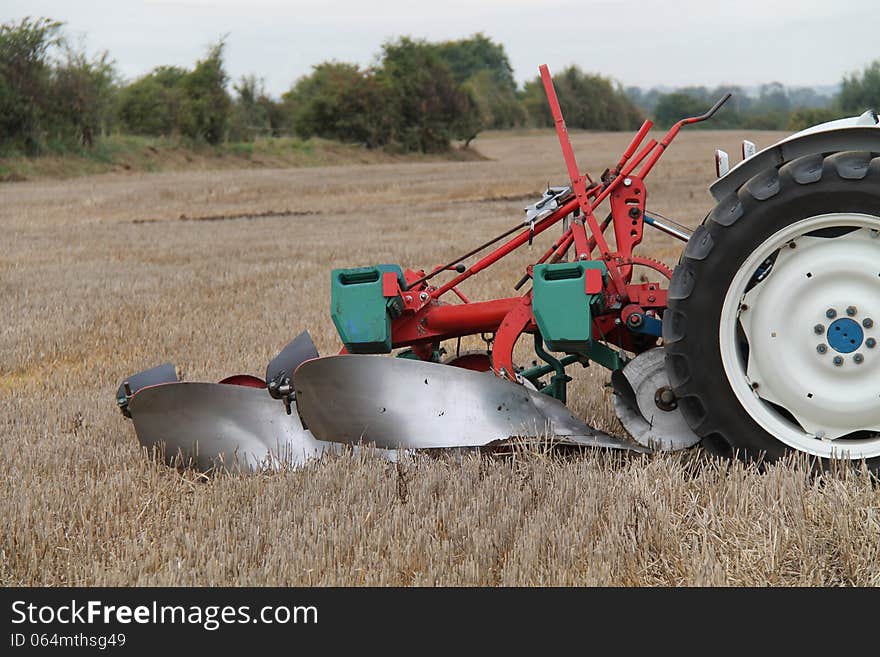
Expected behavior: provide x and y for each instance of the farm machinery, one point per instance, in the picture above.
(762, 341)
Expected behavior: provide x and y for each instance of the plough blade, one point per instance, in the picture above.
(398, 403)
(232, 425)
(166, 373)
(211, 425)
(279, 373)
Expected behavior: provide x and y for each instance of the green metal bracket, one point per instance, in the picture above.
(598, 352)
(606, 356)
(436, 355)
(559, 380)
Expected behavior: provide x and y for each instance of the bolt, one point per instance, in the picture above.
(743, 307)
(755, 385)
(818, 329)
(831, 313)
(792, 245)
(423, 296)
(851, 311)
(870, 343)
(627, 182)
(858, 359)
(821, 348)
(838, 361)
(582, 256)
(867, 322)
(408, 299)
(664, 399)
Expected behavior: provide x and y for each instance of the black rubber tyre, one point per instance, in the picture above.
(772, 200)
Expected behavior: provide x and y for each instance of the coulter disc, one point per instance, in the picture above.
(646, 407)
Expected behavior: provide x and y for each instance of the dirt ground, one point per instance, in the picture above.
(106, 275)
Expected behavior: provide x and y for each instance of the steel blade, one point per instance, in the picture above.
(211, 425)
(407, 404)
(166, 373)
(281, 368)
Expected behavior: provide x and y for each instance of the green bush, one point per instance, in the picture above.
(588, 102)
(150, 106)
(25, 82)
(173, 101)
(339, 101)
(204, 103)
(81, 98)
(408, 102)
(481, 67)
(673, 107)
(425, 107)
(801, 119)
(861, 91)
(253, 114)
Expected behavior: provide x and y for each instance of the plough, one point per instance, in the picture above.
(761, 341)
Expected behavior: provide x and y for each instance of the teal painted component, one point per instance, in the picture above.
(361, 314)
(606, 356)
(598, 352)
(559, 380)
(562, 307)
(535, 372)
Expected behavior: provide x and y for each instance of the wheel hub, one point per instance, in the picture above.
(845, 335)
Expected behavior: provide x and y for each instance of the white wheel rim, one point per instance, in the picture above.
(827, 395)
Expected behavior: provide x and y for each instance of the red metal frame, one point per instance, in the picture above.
(427, 320)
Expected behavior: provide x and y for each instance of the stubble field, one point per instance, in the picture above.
(107, 275)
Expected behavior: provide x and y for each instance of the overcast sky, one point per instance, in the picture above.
(644, 43)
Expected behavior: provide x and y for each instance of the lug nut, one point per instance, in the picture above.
(838, 361)
(818, 329)
(867, 322)
(870, 343)
(851, 311)
(858, 359)
(821, 348)
(831, 313)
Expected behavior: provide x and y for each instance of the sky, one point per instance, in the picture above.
(643, 43)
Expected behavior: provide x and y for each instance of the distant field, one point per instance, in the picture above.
(102, 276)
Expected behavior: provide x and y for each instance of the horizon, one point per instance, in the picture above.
(260, 33)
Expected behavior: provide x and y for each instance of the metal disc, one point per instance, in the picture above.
(214, 425)
(401, 403)
(646, 422)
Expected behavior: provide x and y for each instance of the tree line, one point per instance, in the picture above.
(418, 96)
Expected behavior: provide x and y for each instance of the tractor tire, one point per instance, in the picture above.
(762, 294)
